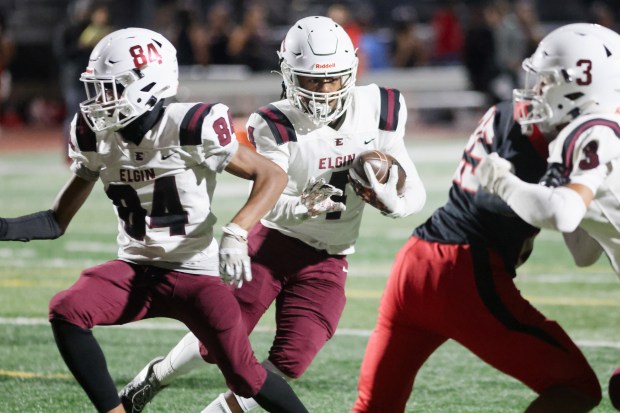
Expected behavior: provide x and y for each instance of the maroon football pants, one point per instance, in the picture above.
(307, 286)
(117, 293)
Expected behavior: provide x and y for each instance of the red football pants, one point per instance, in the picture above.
(438, 292)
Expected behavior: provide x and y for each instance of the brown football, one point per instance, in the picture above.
(381, 163)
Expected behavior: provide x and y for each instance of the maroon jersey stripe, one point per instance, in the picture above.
(191, 127)
(280, 126)
(390, 107)
(570, 142)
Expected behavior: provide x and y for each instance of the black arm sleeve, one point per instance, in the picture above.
(40, 225)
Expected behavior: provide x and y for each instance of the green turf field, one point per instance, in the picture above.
(33, 378)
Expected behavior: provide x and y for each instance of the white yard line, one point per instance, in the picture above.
(177, 326)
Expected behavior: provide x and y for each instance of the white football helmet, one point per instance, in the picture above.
(318, 47)
(129, 71)
(575, 70)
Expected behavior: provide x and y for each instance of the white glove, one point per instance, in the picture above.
(315, 199)
(234, 259)
(490, 170)
(391, 203)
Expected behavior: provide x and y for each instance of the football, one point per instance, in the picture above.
(381, 163)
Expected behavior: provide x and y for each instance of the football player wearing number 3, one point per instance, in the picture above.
(579, 195)
(158, 163)
(299, 250)
(454, 278)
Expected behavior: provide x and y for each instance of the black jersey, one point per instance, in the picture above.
(473, 216)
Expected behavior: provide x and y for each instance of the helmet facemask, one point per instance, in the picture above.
(530, 103)
(106, 105)
(322, 108)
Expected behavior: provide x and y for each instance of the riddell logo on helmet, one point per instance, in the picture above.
(324, 65)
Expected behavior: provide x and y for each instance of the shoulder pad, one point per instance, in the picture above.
(281, 127)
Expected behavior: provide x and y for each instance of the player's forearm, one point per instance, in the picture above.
(283, 212)
(560, 209)
(40, 225)
(414, 195)
(584, 249)
(265, 193)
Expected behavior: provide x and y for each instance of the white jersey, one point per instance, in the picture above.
(587, 152)
(161, 182)
(375, 120)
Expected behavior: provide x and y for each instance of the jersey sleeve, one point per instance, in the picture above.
(583, 154)
(217, 135)
(270, 136)
(86, 161)
(392, 120)
(270, 131)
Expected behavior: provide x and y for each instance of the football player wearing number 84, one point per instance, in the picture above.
(299, 250)
(158, 163)
(454, 278)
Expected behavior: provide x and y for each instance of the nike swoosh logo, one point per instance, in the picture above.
(164, 157)
(367, 142)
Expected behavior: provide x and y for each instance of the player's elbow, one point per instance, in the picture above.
(567, 209)
(566, 222)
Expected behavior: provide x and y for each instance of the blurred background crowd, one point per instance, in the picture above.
(45, 44)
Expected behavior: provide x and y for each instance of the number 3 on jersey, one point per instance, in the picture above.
(166, 210)
(473, 152)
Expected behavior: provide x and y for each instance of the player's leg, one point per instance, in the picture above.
(266, 247)
(394, 355)
(506, 331)
(613, 389)
(307, 314)
(399, 345)
(212, 313)
(254, 299)
(160, 372)
(99, 297)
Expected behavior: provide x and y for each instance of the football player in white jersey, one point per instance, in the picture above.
(299, 250)
(158, 163)
(576, 96)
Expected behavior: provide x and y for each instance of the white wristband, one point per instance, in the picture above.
(233, 229)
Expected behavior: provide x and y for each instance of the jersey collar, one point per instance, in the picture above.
(135, 131)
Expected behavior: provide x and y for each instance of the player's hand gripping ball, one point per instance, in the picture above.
(381, 164)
